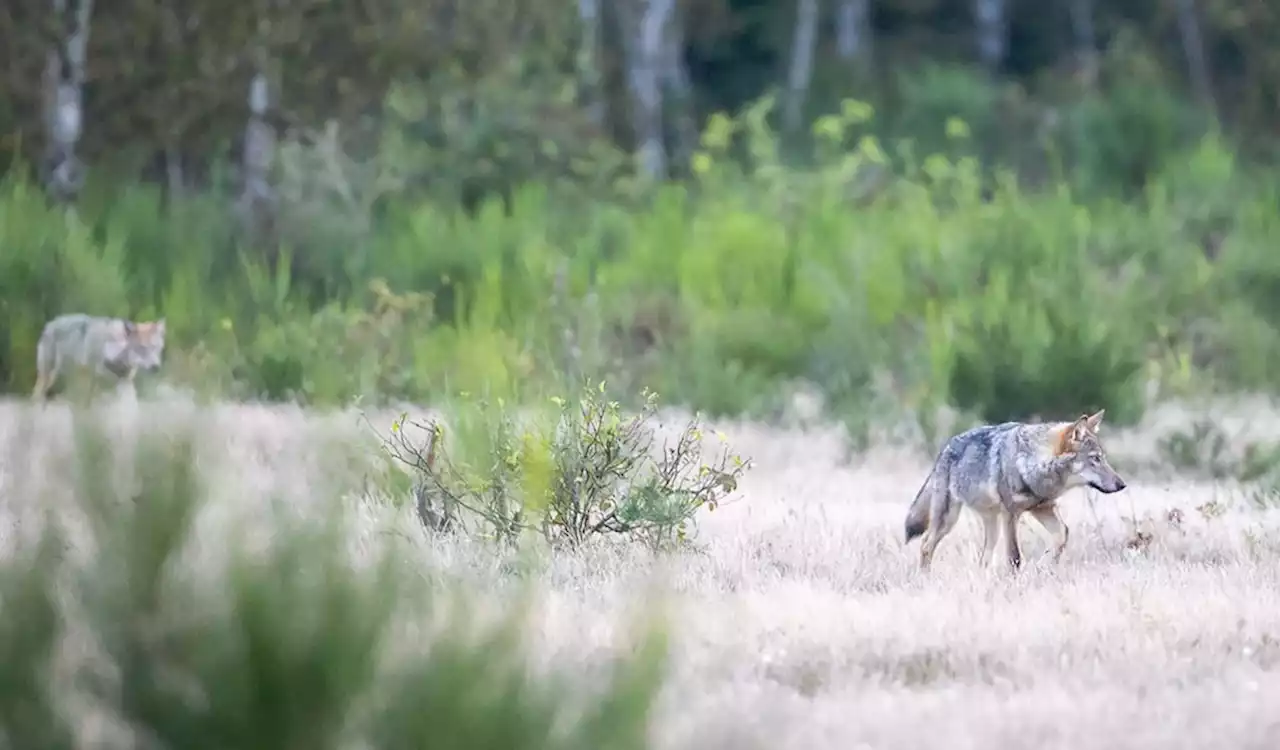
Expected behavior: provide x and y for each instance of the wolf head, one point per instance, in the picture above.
(1088, 461)
(143, 344)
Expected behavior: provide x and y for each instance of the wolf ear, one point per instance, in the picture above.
(1067, 437)
(1070, 434)
(130, 328)
(1095, 421)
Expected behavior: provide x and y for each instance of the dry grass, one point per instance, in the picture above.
(802, 621)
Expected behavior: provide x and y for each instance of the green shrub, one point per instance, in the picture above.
(934, 95)
(1020, 357)
(49, 264)
(1124, 134)
(586, 471)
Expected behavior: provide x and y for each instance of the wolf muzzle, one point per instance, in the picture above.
(1119, 485)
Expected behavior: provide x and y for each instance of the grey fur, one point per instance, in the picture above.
(108, 347)
(1001, 471)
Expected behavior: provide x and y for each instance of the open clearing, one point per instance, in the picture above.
(802, 621)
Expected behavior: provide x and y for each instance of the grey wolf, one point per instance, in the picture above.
(105, 347)
(1002, 471)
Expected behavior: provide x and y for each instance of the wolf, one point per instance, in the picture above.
(104, 346)
(1002, 471)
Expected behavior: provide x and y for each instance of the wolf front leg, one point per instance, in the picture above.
(128, 385)
(41, 391)
(1009, 517)
(1047, 516)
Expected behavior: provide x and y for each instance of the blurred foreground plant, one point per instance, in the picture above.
(278, 640)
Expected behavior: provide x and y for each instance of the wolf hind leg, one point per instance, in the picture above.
(943, 514)
(41, 391)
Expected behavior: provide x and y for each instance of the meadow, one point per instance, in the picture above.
(241, 558)
(795, 618)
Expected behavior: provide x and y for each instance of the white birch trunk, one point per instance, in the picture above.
(1085, 35)
(589, 75)
(174, 177)
(64, 100)
(853, 31)
(259, 153)
(645, 68)
(679, 90)
(992, 31)
(1193, 47)
(800, 69)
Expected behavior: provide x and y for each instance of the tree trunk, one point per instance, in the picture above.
(800, 70)
(853, 31)
(644, 75)
(175, 179)
(590, 78)
(992, 30)
(1086, 39)
(1193, 48)
(64, 100)
(679, 91)
(256, 196)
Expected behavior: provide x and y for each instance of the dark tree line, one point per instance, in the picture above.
(168, 88)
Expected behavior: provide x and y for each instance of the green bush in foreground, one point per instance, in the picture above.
(287, 646)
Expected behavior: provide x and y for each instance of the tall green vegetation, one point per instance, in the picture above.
(882, 275)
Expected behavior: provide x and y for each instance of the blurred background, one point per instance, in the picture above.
(1016, 209)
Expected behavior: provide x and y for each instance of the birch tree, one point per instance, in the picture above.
(645, 33)
(589, 69)
(256, 196)
(1193, 48)
(1084, 36)
(992, 31)
(853, 31)
(800, 70)
(679, 92)
(64, 99)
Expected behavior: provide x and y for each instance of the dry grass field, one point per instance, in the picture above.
(801, 621)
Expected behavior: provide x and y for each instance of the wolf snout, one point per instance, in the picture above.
(1108, 488)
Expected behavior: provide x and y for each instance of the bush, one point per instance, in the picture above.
(1021, 360)
(286, 645)
(586, 472)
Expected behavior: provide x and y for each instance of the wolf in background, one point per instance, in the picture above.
(1002, 471)
(104, 346)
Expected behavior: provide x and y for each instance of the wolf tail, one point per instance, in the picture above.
(933, 490)
(918, 513)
